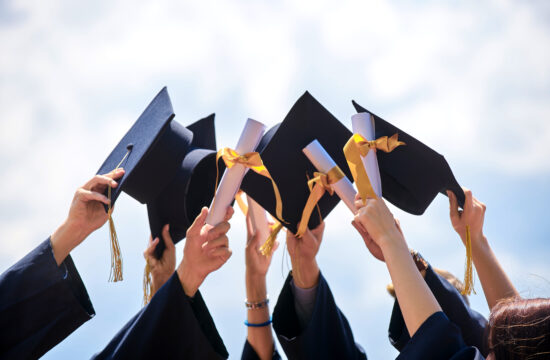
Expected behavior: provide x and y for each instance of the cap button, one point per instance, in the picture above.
(129, 147)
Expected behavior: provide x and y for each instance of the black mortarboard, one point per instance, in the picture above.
(281, 151)
(150, 152)
(192, 187)
(412, 175)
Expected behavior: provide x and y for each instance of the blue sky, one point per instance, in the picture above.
(470, 79)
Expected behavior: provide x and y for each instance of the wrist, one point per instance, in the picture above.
(392, 242)
(76, 230)
(190, 280)
(65, 238)
(159, 279)
(305, 273)
(480, 246)
(256, 289)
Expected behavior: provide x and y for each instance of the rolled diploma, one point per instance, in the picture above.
(323, 162)
(361, 124)
(258, 216)
(232, 178)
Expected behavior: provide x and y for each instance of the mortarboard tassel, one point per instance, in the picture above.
(468, 267)
(267, 247)
(116, 257)
(147, 284)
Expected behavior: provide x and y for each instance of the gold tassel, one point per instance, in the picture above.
(267, 248)
(116, 257)
(468, 267)
(147, 284)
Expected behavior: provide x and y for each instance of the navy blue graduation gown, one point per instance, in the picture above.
(328, 334)
(438, 339)
(250, 354)
(40, 304)
(171, 326)
(472, 324)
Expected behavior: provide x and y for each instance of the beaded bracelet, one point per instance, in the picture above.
(256, 305)
(268, 322)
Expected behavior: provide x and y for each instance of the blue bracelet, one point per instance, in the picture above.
(268, 322)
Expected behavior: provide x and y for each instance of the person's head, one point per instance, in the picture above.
(520, 329)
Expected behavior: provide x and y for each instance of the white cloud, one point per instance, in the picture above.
(470, 79)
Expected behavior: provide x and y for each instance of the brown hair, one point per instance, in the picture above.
(457, 284)
(520, 329)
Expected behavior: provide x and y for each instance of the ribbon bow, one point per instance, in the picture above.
(358, 146)
(317, 187)
(253, 161)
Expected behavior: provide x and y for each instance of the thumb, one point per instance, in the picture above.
(453, 205)
(197, 225)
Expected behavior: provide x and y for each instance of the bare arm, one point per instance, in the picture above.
(257, 265)
(496, 284)
(416, 300)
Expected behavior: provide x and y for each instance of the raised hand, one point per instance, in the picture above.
(256, 263)
(302, 255)
(86, 214)
(377, 221)
(374, 249)
(473, 215)
(206, 250)
(161, 269)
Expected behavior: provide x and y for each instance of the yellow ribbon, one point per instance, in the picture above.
(317, 187)
(358, 146)
(241, 203)
(253, 161)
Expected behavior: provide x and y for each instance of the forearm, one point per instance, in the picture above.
(64, 239)
(260, 338)
(305, 272)
(496, 284)
(416, 300)
(190, 280)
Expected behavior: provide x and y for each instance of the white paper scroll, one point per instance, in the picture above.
(258, 216)
(232, 178)
(363, 125)
(323, 162)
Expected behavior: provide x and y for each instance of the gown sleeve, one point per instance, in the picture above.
(438, 339)
(171, 326)
(471, 323)
(41, 303)
(327, 335)
(250, 354)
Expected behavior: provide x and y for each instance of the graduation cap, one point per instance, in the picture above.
(190, 189)
(411, 175)
(281, 151)
(150, 153)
